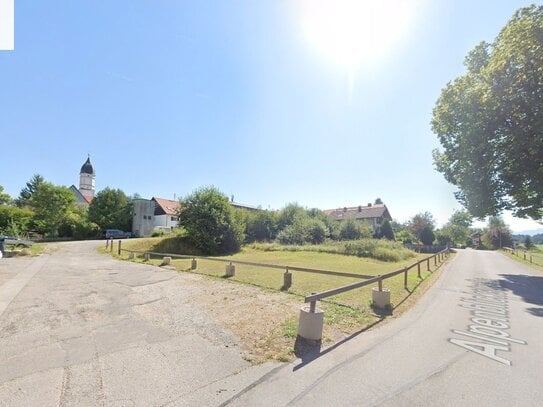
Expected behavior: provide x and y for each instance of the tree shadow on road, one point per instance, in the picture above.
(530, 288)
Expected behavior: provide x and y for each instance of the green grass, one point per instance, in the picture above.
(303, 283)
(379, 249)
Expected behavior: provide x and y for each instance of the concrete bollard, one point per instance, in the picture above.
(310, 323)
(380, 298)
(193, 264)
(131, 256)
(146, 256)
(230, 270)
(166, 260)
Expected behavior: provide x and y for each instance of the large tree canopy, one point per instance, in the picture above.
(111, 209)
(490, 122)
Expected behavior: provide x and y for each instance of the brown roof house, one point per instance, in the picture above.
(154, 213)
(374, 214)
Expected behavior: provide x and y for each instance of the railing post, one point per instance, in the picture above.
(287, 279)
(193, 264)
(405, 278)
(111, 245)
(435, 261)
(418, 269)
(380, 283)
(107, 244)
(119, 249)
(428, 264)
(530, 258)
(524, 255)
(312, 306)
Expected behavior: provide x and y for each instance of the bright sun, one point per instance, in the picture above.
(356, 32)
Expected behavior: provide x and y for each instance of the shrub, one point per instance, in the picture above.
(212, 225)
(261, 226)
(427, 236)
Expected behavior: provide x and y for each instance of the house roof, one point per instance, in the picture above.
(359, 212)
(79, 196)
(166, 206)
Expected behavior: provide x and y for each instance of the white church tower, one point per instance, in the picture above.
(86, 180)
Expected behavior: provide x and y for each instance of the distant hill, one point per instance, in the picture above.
(532, 232)
(536, 239)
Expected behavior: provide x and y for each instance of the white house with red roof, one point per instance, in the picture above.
(154, 213)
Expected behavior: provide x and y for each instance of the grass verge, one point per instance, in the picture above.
(345, 314)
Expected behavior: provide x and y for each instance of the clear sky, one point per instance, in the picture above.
(324, 103)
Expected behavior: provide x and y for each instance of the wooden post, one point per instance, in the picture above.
(119, 249)
(287, 279)
(312, 305)
(107, 244)
(146, 256)
(111, 245)
(405, 278)
(418, 269)
(380, 282)
(193, 264)
(524, 255)
(530, 258)
(435, 261)
(428, 264)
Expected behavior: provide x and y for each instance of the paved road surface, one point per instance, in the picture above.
(81, 329)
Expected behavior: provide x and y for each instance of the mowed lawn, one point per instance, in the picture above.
(303, 283)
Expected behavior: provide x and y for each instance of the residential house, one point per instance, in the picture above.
(373, 214)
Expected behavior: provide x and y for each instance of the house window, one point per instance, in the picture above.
(173, 218)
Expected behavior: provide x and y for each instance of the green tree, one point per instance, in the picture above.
(210, 221)
(288, 214)
(27, 192)
(52, 205)
(15, 221)
(5, 199)
(427, 236)
(489, 122)
(528, 243)
(386, 230)
(498, 234)
(457, 230)
(419, 222)
(261, 226)
(111, 209)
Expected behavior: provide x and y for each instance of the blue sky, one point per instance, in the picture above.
(167, 96)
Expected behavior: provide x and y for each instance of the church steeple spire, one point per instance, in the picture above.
(86, 179)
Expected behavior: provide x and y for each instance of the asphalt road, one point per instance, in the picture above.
(77, 328)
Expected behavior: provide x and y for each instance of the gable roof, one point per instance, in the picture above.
(166, 206)
(359, 212)
(79, 196)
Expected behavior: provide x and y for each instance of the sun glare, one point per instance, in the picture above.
(352, 33)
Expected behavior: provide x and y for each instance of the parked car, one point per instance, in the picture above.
(15, 241)
(115, 234)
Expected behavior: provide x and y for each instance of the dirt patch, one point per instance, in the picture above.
(265, 321)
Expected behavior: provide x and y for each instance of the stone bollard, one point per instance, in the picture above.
(310, 323)
(131, 256)
(146, 256)
(166, 260)
(193, 264)
(230, 270)
(380, 298)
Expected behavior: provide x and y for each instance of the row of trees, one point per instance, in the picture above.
(52, 210)
(213, 226)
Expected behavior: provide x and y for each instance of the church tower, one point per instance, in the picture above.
(86, 180)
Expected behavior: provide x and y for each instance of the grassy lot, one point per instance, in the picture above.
(349, 311)
(532, 257)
